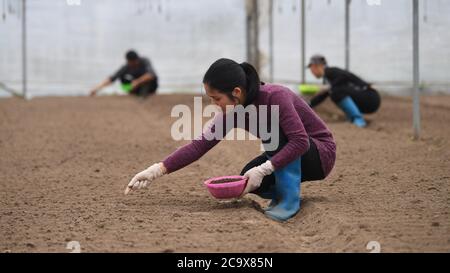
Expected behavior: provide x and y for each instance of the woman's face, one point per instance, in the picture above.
(221, 99)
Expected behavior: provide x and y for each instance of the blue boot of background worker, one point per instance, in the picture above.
(352, 112)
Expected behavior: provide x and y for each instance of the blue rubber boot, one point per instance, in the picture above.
(352, 112)
(287, 188)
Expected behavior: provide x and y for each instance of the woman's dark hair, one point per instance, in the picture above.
(224, 75)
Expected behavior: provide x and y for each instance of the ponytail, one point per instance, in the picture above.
(253, 83)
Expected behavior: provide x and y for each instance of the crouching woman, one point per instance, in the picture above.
(306, 150)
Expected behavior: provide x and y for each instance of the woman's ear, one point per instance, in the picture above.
(237, 92)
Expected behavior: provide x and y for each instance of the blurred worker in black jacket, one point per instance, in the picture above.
(349, 92)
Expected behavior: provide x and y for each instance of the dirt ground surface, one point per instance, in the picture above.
(64, 163)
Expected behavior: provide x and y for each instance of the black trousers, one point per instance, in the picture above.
(146, 89)
(368, 100)
(311, 167)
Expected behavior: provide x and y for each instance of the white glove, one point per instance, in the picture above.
(143, 179)
(255, 176)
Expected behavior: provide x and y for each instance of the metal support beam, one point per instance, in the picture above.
(303, 40)
(347, 34)
(24, 48)
(271, 48)
(252, 33)
(416, 75)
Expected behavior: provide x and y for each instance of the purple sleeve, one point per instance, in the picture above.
(188, 153)
(193, 151)
(292, 126)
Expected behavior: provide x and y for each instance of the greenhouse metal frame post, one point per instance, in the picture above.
(302, 41)
(271, 45)
(24, 48)
(347, 34)
(416, 75)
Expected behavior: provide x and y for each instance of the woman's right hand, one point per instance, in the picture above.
(255, 176)
(143, 179)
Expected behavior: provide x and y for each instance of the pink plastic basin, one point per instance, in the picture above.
(226, 190)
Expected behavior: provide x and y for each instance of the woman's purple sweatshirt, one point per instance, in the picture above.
(296, 119)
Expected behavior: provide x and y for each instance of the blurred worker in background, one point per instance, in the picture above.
(137, 77)
(349, 92)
